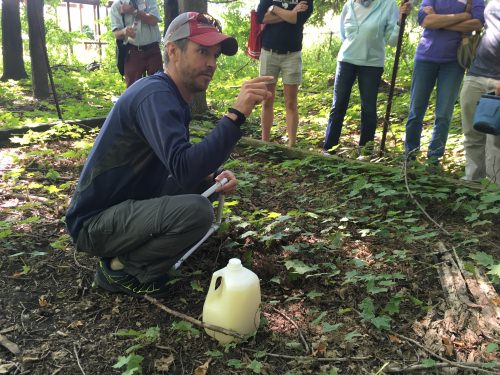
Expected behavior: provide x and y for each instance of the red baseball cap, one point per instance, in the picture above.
(201, 29)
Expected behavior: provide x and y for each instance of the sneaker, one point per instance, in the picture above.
(122, 282)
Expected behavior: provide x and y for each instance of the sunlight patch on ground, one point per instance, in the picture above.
(6, 161)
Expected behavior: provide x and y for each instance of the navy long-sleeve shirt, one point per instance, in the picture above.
(143, 151)
(283, 36)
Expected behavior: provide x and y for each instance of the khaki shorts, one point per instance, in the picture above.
(289, 64)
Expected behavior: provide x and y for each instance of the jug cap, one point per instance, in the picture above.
(234, 264)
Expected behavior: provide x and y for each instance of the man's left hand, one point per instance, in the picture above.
(126, 9)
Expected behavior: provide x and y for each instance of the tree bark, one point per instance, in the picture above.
(171, 10)
(199, 105)
(470, 313)
(39, 68)
(12, 44)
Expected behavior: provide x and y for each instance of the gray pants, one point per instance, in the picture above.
(147, 236)
(482, 151)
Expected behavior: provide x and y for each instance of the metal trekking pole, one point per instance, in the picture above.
(393, 80)
(215, 225)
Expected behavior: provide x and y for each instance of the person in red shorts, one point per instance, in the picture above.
(136, 22)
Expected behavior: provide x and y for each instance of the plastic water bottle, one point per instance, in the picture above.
(233, 301)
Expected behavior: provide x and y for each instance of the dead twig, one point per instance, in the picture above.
(9, 345)
(80, 265)
(78, 359)
(435, 366)
(405, 170)
(9, 329)
(302, 338)
(57, 371)
(192, 320)
(442, 359)
(28, 197)
(310, 358)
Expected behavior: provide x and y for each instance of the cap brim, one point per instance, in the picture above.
(229, 45)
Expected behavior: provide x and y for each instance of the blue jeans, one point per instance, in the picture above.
(425, 75)
(368, 82)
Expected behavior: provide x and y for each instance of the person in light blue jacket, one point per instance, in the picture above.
(366, 26)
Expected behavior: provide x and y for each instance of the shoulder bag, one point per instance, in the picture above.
(468, 46)
(487, 115)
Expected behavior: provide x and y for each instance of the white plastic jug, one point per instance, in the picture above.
(234, 302)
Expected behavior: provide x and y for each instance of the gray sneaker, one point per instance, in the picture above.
(122, 282)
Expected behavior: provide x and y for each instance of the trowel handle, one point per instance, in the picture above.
(212, 188)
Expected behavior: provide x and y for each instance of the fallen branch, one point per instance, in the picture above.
(78, 359)
(310, 358)
(435, 366)
(442, 359)
(9, 345)
(460, 285)
(192, 320)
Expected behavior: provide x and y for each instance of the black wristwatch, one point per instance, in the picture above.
(240, 117)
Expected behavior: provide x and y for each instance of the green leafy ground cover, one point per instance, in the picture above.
(344, 256)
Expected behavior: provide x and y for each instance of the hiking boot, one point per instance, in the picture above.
(122, 282)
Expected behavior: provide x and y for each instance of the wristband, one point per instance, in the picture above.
(240, 117)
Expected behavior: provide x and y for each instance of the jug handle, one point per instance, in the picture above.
(215, 277)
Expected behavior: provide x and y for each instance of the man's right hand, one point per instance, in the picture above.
(253, 92)
(128, 32)
(126, 9)
(301, 7)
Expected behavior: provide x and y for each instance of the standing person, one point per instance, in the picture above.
(136, 22)
(366, 26)
(281, 52)
(443, 21)
(134, 206)
(482, 151)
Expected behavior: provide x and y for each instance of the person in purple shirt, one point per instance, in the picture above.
(436, 63)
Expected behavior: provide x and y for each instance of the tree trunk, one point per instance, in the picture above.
(39, 68)
(12, 44)
(199, 6)
(199, 104)
(171, 10)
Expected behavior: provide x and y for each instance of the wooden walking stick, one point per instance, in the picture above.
(393, 80)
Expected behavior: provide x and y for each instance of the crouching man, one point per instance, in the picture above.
(137, 205)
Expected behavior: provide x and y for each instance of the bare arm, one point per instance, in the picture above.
(286, 15)
(282, 15)
(466, 26)
(147, 18)
(497, 90)
(270, 18)
(442, 21)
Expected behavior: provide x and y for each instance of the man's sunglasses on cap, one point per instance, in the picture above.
(202, 29)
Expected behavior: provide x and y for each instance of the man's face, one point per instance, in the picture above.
(196, 65)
